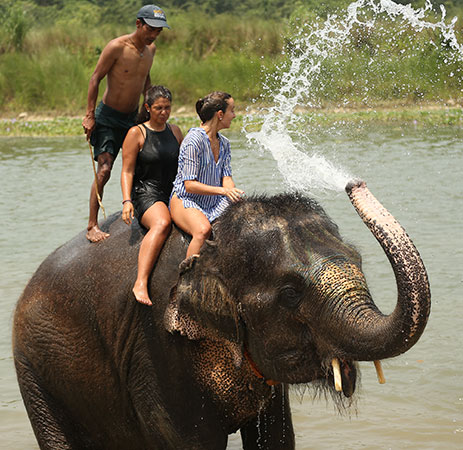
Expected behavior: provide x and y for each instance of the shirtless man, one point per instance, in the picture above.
(126, 62)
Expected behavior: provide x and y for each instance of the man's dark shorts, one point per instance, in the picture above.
(110, 130)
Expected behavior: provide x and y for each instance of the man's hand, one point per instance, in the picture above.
(89, 124)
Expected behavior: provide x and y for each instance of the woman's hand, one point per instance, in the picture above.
(127, 212)
(234, 194)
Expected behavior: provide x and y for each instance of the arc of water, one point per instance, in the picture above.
(309, 49)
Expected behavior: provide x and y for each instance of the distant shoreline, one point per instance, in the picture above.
(48, 125)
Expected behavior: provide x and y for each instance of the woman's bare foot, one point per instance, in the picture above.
(187, 263)
(140, 290)
(94, 234)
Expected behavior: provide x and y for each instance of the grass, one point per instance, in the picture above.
(199, 54)
(420, 117)
(389, 64)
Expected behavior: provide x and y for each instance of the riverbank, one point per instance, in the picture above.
(24, 124)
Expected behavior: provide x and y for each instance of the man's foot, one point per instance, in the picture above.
(94, 234)
(140, 290)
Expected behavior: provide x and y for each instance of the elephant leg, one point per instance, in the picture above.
(52, 426)
(272, 429)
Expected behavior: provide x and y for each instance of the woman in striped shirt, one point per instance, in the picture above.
(204, 186)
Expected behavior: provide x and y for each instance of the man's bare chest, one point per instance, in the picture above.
(132, 66)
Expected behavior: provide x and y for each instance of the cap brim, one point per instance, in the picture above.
(156, 23)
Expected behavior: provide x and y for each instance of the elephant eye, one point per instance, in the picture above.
(290, 297)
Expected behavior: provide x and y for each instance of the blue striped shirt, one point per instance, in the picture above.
(196, 162)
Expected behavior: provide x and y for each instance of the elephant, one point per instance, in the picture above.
(275, 298)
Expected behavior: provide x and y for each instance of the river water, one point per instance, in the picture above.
(416, 173)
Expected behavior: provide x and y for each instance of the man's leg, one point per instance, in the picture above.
(105, 164)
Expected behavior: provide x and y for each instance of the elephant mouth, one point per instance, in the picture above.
(339, 374)
(343, 376)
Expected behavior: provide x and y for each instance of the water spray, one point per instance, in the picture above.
(283, 132)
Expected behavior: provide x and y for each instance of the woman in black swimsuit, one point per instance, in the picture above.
(149, 166)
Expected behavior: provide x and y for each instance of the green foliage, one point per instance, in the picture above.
(123, 11)
(199, 35)
(388, 63)
(14, 26)
(406, 67)
(419, 118)
(60, 126)
(75, 14)
(233, 72)
(37, 83)
(49, 48)
(197, 55)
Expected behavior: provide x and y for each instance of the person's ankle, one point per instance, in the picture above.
(188, 262)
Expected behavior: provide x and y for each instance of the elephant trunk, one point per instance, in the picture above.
(372, 335)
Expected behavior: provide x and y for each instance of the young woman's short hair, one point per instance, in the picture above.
(207, 106)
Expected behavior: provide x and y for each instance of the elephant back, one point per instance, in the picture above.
(92, 282)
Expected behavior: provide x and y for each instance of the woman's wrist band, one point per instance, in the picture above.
(125, 201)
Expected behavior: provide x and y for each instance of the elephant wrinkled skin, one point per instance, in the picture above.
(271, 301)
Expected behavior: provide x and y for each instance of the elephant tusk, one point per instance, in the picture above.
(337, 374)
(379, 372)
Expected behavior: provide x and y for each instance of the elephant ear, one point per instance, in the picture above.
(200, 304)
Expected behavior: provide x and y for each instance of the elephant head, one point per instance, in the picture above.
(279, 282)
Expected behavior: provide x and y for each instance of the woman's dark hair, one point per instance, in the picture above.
(152, 94)
(207, 106)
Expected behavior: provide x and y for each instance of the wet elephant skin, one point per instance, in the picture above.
(227, 334)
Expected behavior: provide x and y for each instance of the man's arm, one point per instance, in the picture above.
(107, 59)
(147, 85)
(152, 48)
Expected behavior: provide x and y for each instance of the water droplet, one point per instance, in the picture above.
(300, 84)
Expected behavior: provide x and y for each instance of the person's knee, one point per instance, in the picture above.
(157, 224)
(105, 165)
(203, 231)
(163, 225)
(104, 173)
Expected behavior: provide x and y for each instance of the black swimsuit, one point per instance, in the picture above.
(155, 170)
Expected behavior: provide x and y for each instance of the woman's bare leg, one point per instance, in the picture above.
(158, 222)
(192, 221)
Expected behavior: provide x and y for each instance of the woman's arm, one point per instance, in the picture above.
(196, 187)
(228, 189)
(190, 162)
(227, 182)
(177, 132)
(130, 148)
(231, 191)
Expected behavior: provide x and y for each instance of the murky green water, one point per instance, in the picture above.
(417, 174)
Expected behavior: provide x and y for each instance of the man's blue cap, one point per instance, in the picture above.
(153, 16)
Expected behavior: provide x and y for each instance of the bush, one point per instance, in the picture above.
(48, 68)
(197, 55)
(14, 27)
